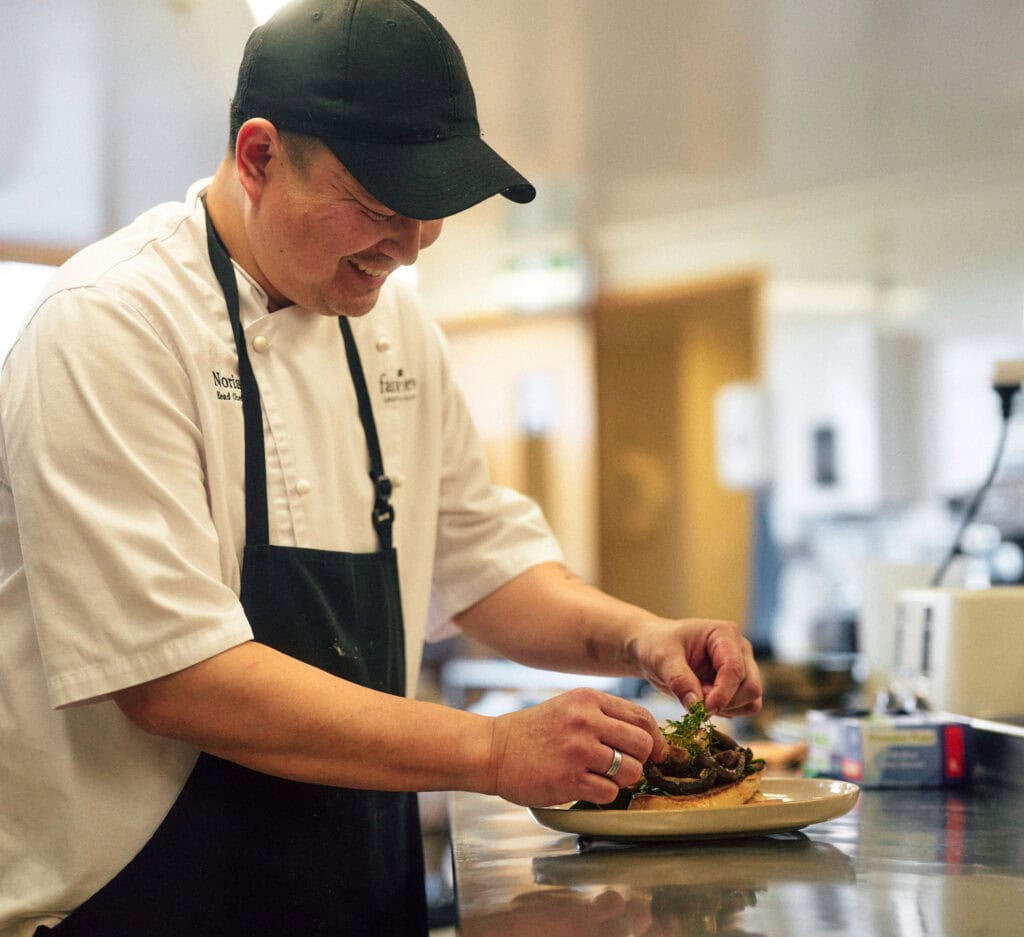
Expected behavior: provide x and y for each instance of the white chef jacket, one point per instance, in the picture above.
(122, 520)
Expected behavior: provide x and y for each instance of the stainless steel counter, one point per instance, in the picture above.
(913, 863)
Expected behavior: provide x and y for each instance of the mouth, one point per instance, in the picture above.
(369, 272)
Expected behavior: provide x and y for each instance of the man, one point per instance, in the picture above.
(208, 640)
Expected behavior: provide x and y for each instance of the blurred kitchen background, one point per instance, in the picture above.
(741, 346)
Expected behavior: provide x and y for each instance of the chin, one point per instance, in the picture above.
(353, 307)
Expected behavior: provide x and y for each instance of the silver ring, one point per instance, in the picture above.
(613, 768)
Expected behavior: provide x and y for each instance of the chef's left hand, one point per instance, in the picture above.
(700, 659)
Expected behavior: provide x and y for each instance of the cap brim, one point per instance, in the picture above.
(430, 180)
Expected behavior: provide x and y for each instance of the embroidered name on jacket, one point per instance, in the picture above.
(228, 386)
(397, 386)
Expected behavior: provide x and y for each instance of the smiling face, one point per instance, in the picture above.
(316, 237)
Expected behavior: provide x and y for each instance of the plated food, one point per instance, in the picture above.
(708, 787)
(730, 794)
(704, 768)
(789, 804)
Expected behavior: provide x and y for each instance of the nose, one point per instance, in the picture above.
(402, 242)
(408, 237)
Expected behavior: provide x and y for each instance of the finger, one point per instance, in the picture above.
(730, 672)
(626, 711)
(597, 789)
(611, 758)
(737, 686)
(628, 739)
(635, 730)
(685, 686)
(746, 702)
(628, 771)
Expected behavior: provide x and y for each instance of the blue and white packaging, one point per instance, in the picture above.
(918, 750)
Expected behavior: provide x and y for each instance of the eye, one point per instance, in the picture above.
(375, 215)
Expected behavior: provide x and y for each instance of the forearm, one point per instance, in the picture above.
(548, 617)
(267, 711)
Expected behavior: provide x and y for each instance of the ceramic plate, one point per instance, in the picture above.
(792, 803)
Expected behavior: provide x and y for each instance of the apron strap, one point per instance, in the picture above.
(257, 526)
(383, 510)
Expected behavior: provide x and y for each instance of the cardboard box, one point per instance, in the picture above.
(890, 751)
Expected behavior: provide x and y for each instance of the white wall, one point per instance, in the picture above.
(53, 144)
(108, 107)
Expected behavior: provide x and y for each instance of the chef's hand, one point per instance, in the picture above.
(558, 750)
(699, 659)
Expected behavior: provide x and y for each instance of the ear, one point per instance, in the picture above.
(257, 145)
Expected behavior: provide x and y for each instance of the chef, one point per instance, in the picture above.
(240, 489)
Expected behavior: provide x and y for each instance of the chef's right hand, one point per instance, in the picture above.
(558, 750)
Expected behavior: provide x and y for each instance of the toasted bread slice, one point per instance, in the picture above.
(725, 795)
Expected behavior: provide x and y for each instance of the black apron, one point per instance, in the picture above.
(244, 854)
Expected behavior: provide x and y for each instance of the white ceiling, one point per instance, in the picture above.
(669, 105)
(825, 139)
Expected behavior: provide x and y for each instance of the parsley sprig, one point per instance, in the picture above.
(691, 732)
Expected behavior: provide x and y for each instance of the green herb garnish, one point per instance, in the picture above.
(691, 732)
(752, 765)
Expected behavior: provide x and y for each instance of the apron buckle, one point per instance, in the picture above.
(383, 488)
(383, 510)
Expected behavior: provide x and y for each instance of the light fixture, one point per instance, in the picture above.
(21, 284)
(262, 10)
(847, 298)
(543, 281)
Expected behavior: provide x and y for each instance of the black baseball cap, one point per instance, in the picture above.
(384, 86)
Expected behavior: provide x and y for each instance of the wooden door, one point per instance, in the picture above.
(672, 539)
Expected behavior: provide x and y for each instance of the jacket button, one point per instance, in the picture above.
(383, 343)
(260, 343)
(303, 487)
(397, 479)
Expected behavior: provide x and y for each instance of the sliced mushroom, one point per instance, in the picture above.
(706, 760)
(730, 764)
(720, 741)
(690, 771)
(677, 761)
(674, 784)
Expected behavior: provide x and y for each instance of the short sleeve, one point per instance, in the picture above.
(104, 457)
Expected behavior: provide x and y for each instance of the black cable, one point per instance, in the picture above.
(1006, 394)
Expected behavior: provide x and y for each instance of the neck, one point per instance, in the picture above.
(225, 202)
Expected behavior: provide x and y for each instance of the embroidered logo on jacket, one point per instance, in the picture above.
(397, 386)
(228, 386)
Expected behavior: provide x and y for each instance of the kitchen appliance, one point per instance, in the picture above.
(961, 651)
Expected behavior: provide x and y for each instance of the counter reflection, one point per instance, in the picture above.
(696, 889)
(907, 862)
